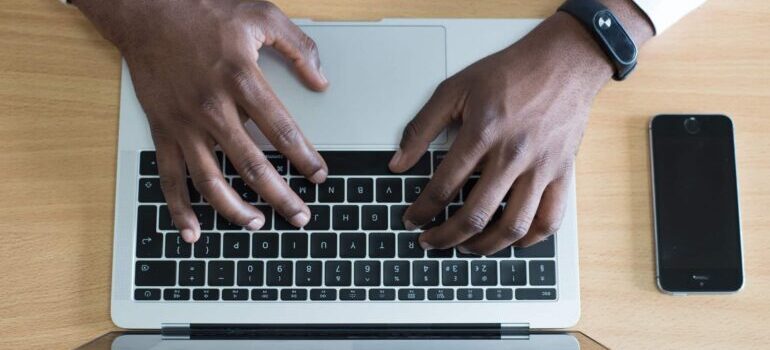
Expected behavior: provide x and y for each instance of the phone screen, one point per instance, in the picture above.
(696, 203)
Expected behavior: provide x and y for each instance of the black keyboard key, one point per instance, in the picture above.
(195, 196)
(264, 245)
(236, 245)
(499, 294)
(147, 294)
(352, 245)
(332, 191)
(250, 273)
(205, 216)
(309, 273)
(413, 187)
(155, 273)
(411, 294)
(235, 294)
(225, 225)
(470, 294)
(283, 225)
(264, 294)
(368, 163)
(513, 273)
(389, 190)
(165, 222)
(360, 190)
(441, 294)
(367, 273)
(220, 160)
(338, 273)
(229, 167)
(149, 243)
(267, 211)
(536, 294)
(207, 294)
(345, 217)
(323, 294)
(425, 273)
(319, 217)
(176, 294)
(484, 273)
(279, 161)
(408, 246)
(454, 273)
(279, 273)
(149, 190)
(502, 253)
(397, 217)
(452, 209)
(468, 187)
(441, 253)
(191, 273)
(437, 220)
(208, 245)
(542, 272)
(323, 245)
(396, 273)
(294, 245)
(303, 188)
(382, 245)
(148, 165)
(374, 217)
(349, 294)
(382, 294)
(244, 191)
(293, 294)
(221, 273)
(544, 249)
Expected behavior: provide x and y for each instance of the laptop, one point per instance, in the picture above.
(356, 266)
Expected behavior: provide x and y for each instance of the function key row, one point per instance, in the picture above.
(319, 245)
(335, 273)
(345, 294)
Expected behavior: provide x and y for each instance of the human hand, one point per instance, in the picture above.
(194, 66)
(522, 112)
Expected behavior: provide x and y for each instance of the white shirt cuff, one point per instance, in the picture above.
(664, 13)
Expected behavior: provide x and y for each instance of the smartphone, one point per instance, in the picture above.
(697, 224)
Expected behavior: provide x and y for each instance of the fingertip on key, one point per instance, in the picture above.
(189, 235)
(319, 176)
(255, 224)
(300, 219)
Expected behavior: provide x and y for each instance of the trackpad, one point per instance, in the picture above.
(380, 77)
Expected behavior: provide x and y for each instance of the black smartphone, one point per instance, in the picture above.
(695, 204)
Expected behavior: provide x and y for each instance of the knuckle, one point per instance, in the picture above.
(475, 221)
(515, 150)
(206, 183)
(517, 229)
(549, 226)
(268, 10)
(241, 78)
(411, 131)
(170, 185)
(255, 171)
(308, 46)
(286, 134)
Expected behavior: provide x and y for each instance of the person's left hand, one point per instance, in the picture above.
(521, 112)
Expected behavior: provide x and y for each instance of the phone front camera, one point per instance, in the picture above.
(691, 125)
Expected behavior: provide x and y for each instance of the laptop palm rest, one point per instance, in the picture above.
(380, 76)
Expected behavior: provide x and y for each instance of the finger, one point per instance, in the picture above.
(288, 39)
(262, 177)
(550, 213)
(255, 96)
(208, 180)
(453, 171)
(173, 182)
(516, 219)
(477, 210)
(433, 118)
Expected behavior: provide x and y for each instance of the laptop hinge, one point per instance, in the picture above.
(171, 331)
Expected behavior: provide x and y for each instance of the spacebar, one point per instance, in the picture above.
(343, 163)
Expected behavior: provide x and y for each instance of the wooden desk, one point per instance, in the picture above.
(58, 134)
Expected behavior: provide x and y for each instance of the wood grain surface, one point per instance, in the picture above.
(58, 132)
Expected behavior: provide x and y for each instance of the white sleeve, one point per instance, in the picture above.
(664, 13)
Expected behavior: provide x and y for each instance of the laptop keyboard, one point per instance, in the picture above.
(355, 247)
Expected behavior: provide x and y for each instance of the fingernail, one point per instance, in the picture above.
(396, 158)
(299, 220)
(323, 77)
(188, 235)
(255, 224)
(410, 226)
(425, 245)
(319, 176)
(463, 250)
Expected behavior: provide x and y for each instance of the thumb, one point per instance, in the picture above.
(288, 39)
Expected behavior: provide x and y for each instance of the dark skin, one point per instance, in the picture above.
(521, 114)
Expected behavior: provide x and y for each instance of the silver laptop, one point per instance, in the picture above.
(356, 269)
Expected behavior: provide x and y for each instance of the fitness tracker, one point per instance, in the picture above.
(607, 31)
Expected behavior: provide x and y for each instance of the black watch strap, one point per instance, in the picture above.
(607, 31)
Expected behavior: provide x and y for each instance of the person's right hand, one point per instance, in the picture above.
(194, 66)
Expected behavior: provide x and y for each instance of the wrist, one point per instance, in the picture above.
(110, 17)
